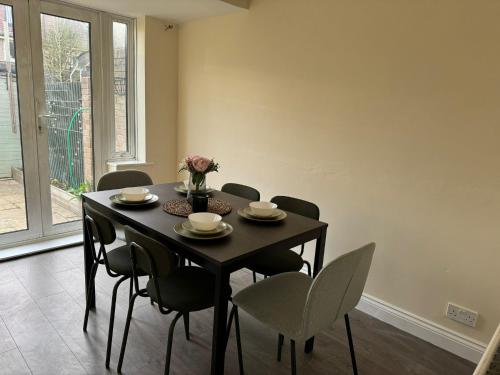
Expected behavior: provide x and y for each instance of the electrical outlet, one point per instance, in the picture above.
(462, 314)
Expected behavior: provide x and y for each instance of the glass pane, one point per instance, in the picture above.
(12, 192)
(68, 96)
(120, 78)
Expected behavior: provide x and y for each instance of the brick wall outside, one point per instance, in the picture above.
(120, 123)
(120, 102)
(88, 155)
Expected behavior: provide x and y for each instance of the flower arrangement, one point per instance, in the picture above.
(198, 166)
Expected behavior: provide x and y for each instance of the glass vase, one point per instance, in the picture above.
(196, 188)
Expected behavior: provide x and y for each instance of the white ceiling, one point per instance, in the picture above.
(172, 10)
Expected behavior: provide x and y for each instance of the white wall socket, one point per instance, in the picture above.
(461, 314)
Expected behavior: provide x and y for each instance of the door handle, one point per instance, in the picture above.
(41, 120)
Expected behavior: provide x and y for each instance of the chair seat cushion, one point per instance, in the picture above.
(186, 289)
(276, 262)
(278, 302)
(119, 260)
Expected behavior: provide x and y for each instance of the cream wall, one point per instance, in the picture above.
(157, 73)
(385, 113)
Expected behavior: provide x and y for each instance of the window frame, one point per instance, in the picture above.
(110, 153)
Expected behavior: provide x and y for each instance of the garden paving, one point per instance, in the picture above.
(13, 208)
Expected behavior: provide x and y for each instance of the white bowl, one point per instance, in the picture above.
(204, 220)
(263, 209)
(134, 194)
(186, 184)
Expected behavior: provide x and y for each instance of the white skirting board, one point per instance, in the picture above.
(424, 329)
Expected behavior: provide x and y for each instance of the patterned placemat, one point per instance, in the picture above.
(181, 207)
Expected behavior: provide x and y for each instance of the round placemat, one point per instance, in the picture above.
(181, 207)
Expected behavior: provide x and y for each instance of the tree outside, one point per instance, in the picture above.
(64, 46)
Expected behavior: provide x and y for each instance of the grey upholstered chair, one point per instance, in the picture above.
(300, 307)
(117, 263)
(490, 360)
(242, 191)
(276, 262)
(120, 180)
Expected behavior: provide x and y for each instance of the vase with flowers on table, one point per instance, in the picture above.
(198, 168)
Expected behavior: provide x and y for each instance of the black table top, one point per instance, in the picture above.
(247, 239)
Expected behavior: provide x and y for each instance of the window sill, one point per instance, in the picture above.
(116, 164)
(120, 165)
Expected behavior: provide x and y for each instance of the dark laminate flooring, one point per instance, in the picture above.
(42, 305)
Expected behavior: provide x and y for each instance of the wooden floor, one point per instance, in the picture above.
(42, 306)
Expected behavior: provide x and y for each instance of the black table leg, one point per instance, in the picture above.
(319, 255)
(89, 261)
(220, 321)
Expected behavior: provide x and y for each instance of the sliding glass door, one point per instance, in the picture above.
(50, 97)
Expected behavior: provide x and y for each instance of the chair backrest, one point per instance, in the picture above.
(150, 256)
(490, 360)
(297, 206)
(123, 179)
(337, 289)
(242, 191)
(100, 227)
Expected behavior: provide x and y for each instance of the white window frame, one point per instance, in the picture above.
(108, 88)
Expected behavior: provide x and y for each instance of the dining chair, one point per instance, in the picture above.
(489, 363)
(300, 307)
(273, 263)
(182, 289)
(119, 180)
(117, 263)
(242, 191)
(122, 179)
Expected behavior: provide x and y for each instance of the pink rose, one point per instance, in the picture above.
(189, 162)
(199, 163)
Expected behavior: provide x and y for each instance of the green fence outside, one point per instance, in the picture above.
(65, 133)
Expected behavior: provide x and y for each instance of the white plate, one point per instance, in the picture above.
(116, 200)
(182, 189)
(275, 214)
(189, 227)
(178, 228)
(243, 212)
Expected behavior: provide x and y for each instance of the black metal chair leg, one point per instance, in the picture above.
(293, 357)
(169, 344)
(131, 291)
(238, 338)
(281, 338)
(125, 332)
(233, 314)
(112, 319)
(351, 345)
(186, 325)
(254, 277)
(309, 268)
(150, 298)
(90, 295)
(230, 322)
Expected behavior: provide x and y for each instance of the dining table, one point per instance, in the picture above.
(221, 256)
